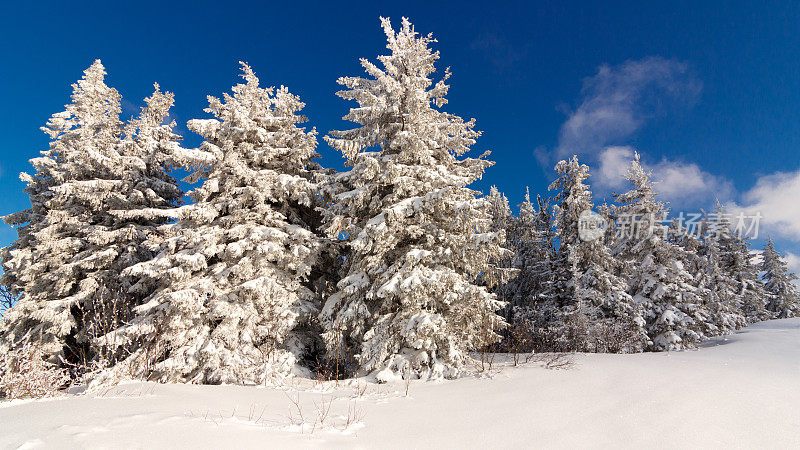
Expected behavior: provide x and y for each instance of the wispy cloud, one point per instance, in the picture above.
(129, 109)
(618, 101)
(499, 51)
(686, 184)
(612, 165)
(683, 184)
(776, 198)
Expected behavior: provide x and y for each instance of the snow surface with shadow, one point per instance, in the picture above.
(737, 391)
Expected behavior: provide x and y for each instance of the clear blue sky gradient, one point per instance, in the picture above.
(517, 68)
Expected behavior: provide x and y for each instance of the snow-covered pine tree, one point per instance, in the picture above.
(779, 284)
(687, 236)
(534, 245)
(72, 247)
(721, 253)
(419, 238)
(531, 238)
(501, 269)
(654, 266)
(150, 137)
(521, 237)
(736, 261)
(718, 290)
(500, 211)
(751, 289)
(544, 250)
(607, 212)
(592, 301)
(234, 302)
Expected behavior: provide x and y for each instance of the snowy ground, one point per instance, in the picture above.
(739, 391)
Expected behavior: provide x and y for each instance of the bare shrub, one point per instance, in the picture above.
(489, 337)
(322, 417)
(24, 373)
(359, 389)
(7, 300)
(580, 334)
(518, 339)
(102, 316)
(557, 361)
(354, 416)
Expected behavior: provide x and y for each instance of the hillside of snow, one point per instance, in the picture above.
(738, 391)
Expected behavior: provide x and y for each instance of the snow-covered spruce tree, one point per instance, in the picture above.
(534, 246)
(499, 209)
(71, 249)
(719, 290)
(409, 303)
(521, 238)
(531, 237)
(608, 213)
(779, 284)
(497, 276)
(736, 261)
(233, 298)
(593, 311)
(654, 266)
(543, 251)
(720, 252)
(702, 270)
(502, 222)
(151, 138)
(751, 291)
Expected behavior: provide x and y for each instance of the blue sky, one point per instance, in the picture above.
(707, 92)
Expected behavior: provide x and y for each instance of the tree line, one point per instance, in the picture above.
(394, 267)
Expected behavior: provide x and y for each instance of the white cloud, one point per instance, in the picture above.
(793, 262)
(777, 198)
(614, 162)
(615, 103)
(680, 183)
(129, 108)
(686, 184)
(499, 51)
(618, 100)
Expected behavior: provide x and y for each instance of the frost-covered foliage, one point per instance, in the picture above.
(655, 268)
(735, 260)
(233, 297)
(723, 290)
(779, 284)
(418, 237)
(24, 373)
(533, 239)
(591, 300)
(530, 292)
(76, 239)
(501, 269)
(750, 289)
